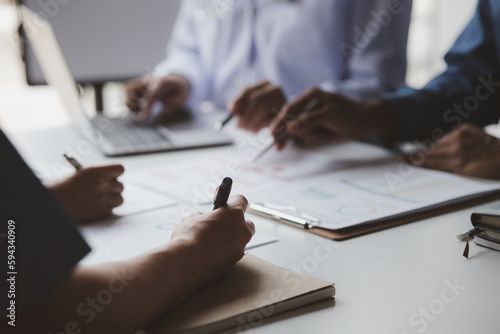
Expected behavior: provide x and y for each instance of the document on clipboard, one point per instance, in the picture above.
(365, 195)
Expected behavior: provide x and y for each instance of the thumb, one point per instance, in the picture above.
(238, 201)
(108, 172)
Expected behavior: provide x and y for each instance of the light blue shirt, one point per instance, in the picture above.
(353, 47)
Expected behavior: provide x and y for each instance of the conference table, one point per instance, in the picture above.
(407, 279)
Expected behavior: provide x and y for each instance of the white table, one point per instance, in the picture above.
(394, 281)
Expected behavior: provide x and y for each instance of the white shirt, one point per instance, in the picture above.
(353, 47)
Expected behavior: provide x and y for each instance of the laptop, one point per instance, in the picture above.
(113, 136)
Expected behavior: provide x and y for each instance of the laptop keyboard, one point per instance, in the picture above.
(124, 132)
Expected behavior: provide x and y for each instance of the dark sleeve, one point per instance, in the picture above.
(47, 243)
(468, 91)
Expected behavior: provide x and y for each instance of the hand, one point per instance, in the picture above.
(91, 193)
(333, 118)
(215, 240)
(467, 151)
(258, 105)
(172, 90)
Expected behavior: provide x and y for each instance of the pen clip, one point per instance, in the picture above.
(275, 212)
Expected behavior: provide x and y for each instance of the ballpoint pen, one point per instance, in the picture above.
(73, 162)
(222, 193)
(220, 124)
(309, 106)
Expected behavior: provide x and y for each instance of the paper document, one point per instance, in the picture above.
(138, 199)
(195, 181)
(121, 238)
(373, 192)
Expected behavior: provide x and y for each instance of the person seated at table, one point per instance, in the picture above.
(252, 56)
(53, 294)
(91, 193)
(445, 117)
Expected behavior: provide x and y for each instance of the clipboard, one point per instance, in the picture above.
(307, 224)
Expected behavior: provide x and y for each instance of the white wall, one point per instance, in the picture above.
(435, 26)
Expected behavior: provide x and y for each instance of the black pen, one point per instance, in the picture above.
(73, 162)
(220, 124)
(222, 193)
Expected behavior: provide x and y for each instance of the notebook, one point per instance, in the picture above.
(252, 290)
(487, 228)
(486, 231)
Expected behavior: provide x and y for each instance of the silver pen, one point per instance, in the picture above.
(309, 106)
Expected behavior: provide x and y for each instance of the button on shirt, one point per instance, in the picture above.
(354, 47)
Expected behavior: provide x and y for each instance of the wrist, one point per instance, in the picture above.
(182, 257)
(377, 120)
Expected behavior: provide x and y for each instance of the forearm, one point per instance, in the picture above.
(118, 297)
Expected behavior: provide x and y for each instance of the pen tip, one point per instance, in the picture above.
(218, 126)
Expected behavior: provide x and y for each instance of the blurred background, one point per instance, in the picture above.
(435, 25)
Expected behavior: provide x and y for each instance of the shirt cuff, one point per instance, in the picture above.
(412, 122)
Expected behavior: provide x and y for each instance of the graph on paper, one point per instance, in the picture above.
(371, 193)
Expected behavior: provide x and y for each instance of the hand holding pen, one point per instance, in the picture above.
(334, 118)
(255, 107)
(218, 237)
(281, 133)
(284, 124)
(92, 192)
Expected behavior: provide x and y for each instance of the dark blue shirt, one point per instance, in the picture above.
(469, 89)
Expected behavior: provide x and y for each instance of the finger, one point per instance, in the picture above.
(240, 104)
(155, 98)
(251, 226)
(441, 150)
(290, 111)
(265, 107)
(114, 200)
(281, 140)
(115, 187)
(195, 214)
(440, 159)
(308, 122)
(319, 137)
(230, 105)
(238, 201)
(108, 172)
(135, 93)
(446, 165)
